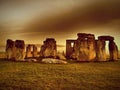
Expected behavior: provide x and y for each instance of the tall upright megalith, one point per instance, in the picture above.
(29, 51)
(19, 50)
(15, 50)
(10, 49)
(82, 49)
(49, 48)
(35, 52)
(113, 51)
(101, 51)
(70, 50)
(85, 47)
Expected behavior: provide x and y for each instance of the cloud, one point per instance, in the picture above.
(61, 21)
(95, 14)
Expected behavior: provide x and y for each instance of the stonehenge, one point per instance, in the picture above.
(15, 49)
(84, 48)
(49, 48)
(87, 48)
(10, 49)
(113, 51)
(31, 51)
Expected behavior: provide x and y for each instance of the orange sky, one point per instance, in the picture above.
(36, 20)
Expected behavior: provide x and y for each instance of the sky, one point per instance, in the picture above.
(36, 20)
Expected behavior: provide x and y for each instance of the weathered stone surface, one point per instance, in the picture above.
(19, 50)
(85, 47)
(73, 56)
(49, 49)
(35, 52)
(70, 48)
(10, 49)
(100, 50)
(31, 51)
(109, 38)
(28, 51)
(113, 51)
(20, 44)
(15, 50)
(55, 61)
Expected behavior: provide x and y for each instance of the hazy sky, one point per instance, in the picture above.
(36, 20)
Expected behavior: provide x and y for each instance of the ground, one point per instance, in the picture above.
(72, 76)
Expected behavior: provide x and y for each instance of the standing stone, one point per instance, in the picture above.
(28, 51)
(100, 50)
(49, 48)
(113, 51)
(10, 49)
(85, 47)
(20, 50)
(91, 48)
(35, 52)
(70, 52)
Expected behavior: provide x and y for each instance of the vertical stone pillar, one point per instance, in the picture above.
(10, 49)
(85, 47)
(19, 50)
(83, 51)
(28, 51)
(49, 48)
(91, 48)
(70, 44)
(35, 52)
(100, 50)
(113, 49)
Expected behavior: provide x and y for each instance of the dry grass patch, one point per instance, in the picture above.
(72, 76)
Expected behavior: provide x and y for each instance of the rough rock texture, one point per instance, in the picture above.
(28, 51)
(31, 51)
(100, 50)
(35, 52)
(106, 38)
(49, 49)
(19, 50)
(70, 48)
(10, 49)
(15, 50)
(73, 56)
(85, 47)
(113, 51)
(55, 61)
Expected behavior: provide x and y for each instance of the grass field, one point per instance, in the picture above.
(72, 76)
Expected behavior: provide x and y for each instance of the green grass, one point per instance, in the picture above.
(72, 76)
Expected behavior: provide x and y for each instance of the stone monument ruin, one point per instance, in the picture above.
(49, 48)
(100, 48)
(86, 48)
(31, 51)
(15, 49)
(10, 49)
